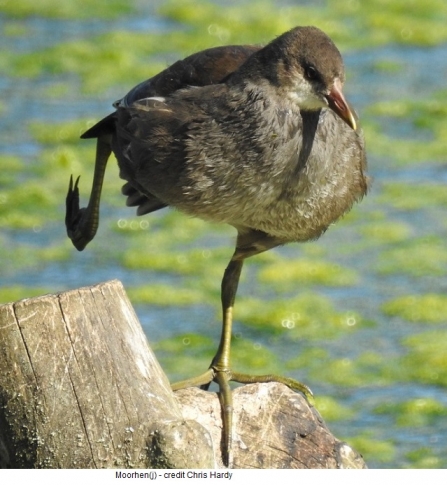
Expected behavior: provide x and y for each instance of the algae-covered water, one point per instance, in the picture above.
(360, 315)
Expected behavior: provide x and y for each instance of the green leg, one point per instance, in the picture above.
(221, 362)
(220, 371)
(230, 282)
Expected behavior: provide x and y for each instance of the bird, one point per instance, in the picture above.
(258, 137)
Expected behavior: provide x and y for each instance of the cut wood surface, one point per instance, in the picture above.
(81, 388)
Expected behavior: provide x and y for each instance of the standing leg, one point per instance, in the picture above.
(221, 361)
(249, 243)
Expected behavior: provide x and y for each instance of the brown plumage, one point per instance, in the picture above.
(259, 138)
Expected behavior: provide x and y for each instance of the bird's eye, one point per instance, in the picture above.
(310, 72)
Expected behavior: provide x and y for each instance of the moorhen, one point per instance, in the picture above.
(258, 138)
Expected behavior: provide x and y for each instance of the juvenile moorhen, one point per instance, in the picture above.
(259, 138)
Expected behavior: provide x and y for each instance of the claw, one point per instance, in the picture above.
(76, 219)
(72, 205)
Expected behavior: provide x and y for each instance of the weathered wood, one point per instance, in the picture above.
(274, 427)
(80, 387)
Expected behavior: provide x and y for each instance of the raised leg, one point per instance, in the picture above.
(82, 224)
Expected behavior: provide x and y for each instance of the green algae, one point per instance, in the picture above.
(57, 90)
(404, 150)
(309, 358)
(192, 262)
(180, 342)
(421, 113)
(167, 240)
(426, 360)
(66, 9)
(141, 236)
(308, 316)
(406, 22)
(399, 21)
(254, 358)
(413, 196)
(414, 412)
(58, 158)
(380, 22)
(193, 354)
(426, 116)
(425, 458)
(388, 66)
(386, 232)
(11, 167)
(307, 271)
(331, 410)
(373, 449)
(26, 206)
(227, 24)
(368, 369)
(185, 229)
(100, 63)
(29, 257)
(131, 225)
(16, 28)
(15, 293)
(417, 257)
(63, 133)
(164, 295)
(429, 308)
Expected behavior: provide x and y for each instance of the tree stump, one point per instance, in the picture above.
(81, 388)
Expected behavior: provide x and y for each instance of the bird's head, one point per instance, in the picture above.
(306, 67)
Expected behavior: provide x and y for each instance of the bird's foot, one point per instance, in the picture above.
(287, 381)
(223, 377)
(81, 227)
(204, 379)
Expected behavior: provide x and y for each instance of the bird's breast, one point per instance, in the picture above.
(292, 179)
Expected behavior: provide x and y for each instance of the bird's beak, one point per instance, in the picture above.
(340, 106)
